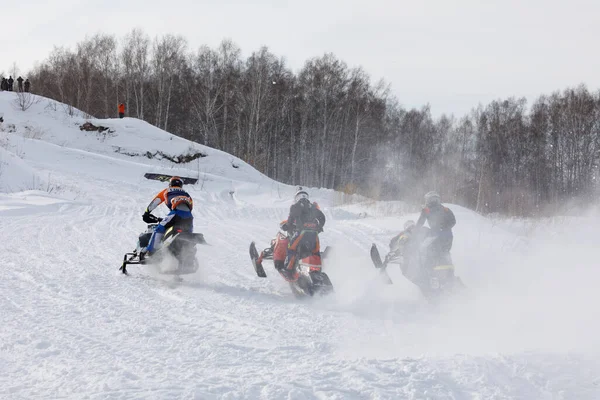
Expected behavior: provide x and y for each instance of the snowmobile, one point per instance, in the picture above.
(176, 244)
(311, 281)
(434, 280)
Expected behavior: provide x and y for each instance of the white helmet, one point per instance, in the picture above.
(432, 199)
(300, 194)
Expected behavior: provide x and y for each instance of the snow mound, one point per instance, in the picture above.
(126, 139)
(16, 175)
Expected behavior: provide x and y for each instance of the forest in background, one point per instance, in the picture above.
(328, 125)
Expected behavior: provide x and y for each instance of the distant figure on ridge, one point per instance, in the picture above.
(19, 84)
(27, 85)
(121, 110)
(3, 84)
(10, 83)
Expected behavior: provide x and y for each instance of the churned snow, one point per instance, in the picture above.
(72, 327)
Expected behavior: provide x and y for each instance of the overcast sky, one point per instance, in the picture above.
(452, 54)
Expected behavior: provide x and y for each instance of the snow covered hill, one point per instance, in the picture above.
(73, 327)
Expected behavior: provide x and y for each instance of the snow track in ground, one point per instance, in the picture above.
(74, 327)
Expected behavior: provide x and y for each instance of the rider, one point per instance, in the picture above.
(304, 223)
(441, 220)
(180, 205)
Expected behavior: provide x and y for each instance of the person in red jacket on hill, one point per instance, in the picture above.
(121, 110)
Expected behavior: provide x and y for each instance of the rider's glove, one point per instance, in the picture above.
(319, 226)
(148, 218)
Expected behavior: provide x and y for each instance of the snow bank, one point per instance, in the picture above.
(128, 138)
(16, 175)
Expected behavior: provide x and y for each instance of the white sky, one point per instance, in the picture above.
(452, 54)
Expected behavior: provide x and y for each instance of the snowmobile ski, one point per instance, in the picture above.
(380, 265)
(325, 252)
(258, 268)
(376, 257)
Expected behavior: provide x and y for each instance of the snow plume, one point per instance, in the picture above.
(542, 299)
(400, 176)
(533, 295)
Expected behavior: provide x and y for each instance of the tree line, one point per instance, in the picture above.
(329, 125)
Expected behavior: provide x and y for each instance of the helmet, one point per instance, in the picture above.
(432, 199)
(300, 194)
(409, 225)
(176, 182)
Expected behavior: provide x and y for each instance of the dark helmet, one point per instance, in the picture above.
(176, 182)
(300, 194)
(432, 199)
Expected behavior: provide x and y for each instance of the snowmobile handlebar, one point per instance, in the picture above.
(151, 219)
(290, 228)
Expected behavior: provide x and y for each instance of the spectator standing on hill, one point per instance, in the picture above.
(20, 84)
(3, 84)
(121, 110)
(10, 83)
(27, 85)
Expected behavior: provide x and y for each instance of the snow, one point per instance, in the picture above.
(16, 175)
(73, 327)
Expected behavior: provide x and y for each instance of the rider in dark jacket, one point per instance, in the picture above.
(304, 223)
(441, 220)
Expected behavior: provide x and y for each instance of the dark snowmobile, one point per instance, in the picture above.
(311, 281)
(176, 243)
(434, 276)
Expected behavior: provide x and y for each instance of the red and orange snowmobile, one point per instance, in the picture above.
(310, 280)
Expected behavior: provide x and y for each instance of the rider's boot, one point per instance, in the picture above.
(289, 274)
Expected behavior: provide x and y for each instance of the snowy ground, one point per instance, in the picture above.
(73, 327)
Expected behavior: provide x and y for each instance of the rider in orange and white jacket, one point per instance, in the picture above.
(180, 204)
